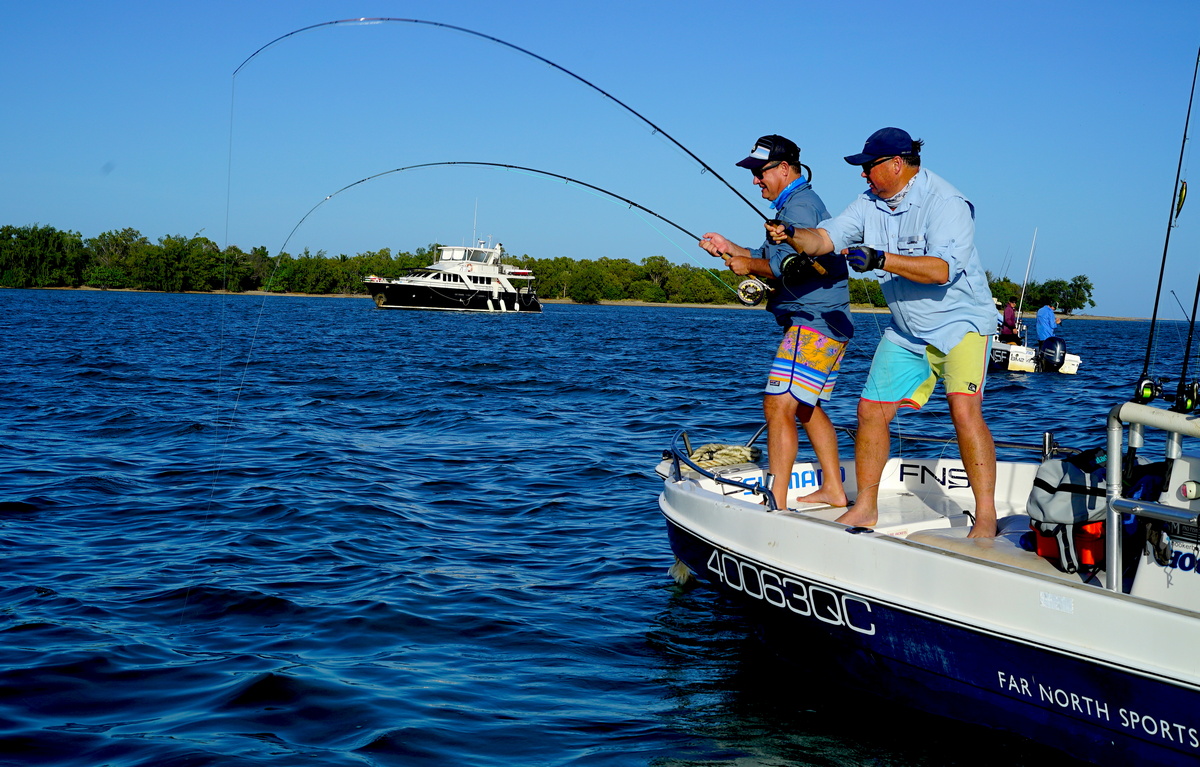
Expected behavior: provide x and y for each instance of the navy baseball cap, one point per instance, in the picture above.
(885, 142)
(771, 149)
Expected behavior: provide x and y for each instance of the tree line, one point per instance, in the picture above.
(39, 256)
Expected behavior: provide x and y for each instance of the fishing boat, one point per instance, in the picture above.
(1019, 354)
(465, 279)
(1040, 634)
(1076, 626)
(1049, 356)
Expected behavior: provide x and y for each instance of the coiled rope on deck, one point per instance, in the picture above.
(715, 454)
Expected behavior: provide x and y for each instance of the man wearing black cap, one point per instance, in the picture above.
(813, 306)
(919, 231)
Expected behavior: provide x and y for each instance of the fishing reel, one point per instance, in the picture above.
(793, 264)
(1147, 390)
(791, 268)
(1187, 396)
(1185, 399)
(751, 292)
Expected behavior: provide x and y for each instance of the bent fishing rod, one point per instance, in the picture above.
(750, 292)
(518, 49)
(504, 166)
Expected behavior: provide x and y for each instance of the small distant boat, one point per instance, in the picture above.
(464, 279)
(1014, 352)
(1050, 356)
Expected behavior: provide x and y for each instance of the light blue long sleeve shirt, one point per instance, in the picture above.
(933, 219)
(1046, 322)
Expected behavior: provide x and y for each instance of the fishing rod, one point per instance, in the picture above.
(1146, 386)
(1188, 394)
(519, 49)
(1025, 282)
(504, 166)
(524, 170)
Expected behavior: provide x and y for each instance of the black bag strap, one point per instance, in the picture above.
(1069, 487)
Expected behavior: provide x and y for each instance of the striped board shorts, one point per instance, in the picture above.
(806, 365)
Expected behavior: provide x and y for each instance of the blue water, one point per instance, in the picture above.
(243, 531)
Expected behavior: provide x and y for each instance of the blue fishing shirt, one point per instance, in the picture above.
(821, 302)
(1046, 323)
(933, 219)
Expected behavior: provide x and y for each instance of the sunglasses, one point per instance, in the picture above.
(866, 168)
(758, 174)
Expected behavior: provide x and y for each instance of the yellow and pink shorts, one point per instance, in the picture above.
(806, 365)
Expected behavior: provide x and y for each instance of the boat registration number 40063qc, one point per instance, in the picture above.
(801, 597)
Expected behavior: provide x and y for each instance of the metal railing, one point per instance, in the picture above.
(1177, 426)
(682, 457)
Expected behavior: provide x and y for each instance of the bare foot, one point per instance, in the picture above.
(859, 517)
(983, 530)
(985, 525)
(821, 495)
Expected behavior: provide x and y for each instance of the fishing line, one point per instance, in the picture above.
(878, 338)
(1178, 334)
(1004, 276)
(1187, 395)
(440, 25)
(532, 172)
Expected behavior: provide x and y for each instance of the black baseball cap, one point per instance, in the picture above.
(770, 149)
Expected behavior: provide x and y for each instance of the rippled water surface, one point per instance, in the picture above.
(242, 531)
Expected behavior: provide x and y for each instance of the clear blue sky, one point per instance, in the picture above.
(1066, 117)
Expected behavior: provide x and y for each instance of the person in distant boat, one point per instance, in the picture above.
(1008, 328)
(812, 307)
(1047, 322)
(919, 232)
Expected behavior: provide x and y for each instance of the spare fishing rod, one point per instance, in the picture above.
(1024, 284)
(1187, 395)
(1147, 388)
(519, 49)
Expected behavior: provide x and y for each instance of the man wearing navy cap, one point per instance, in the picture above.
(919, 231)
(813, 306)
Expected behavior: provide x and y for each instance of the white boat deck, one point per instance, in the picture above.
(942, 522)
(938, 517)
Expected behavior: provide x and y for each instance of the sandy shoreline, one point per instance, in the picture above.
(855, 308)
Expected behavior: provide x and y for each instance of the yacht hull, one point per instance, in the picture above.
(398, 295)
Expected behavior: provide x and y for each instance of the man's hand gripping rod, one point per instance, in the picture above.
(800, 260)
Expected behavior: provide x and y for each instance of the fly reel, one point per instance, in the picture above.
(751, 292)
